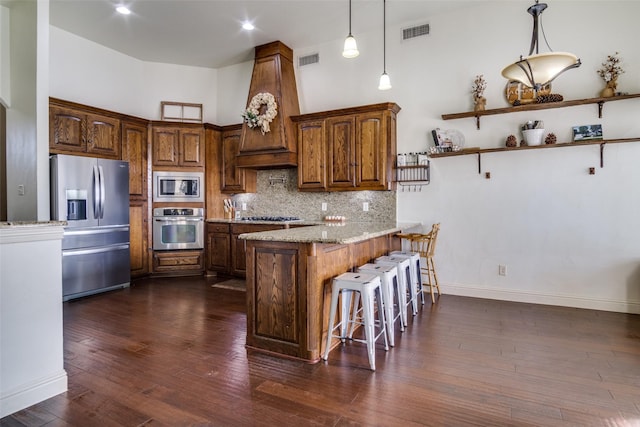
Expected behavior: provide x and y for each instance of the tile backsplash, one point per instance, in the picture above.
(276, 198)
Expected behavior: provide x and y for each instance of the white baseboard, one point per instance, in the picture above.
(632, 307)
(33, 392)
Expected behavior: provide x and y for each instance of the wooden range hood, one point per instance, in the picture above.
(272, 72)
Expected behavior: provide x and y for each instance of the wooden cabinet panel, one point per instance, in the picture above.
(134, 151)
(235, 179)
(74, 131)
(312, 155)
(341, 152)
(103, 136)
(218, 248)
(178, 146)
(178, 261)
(349, 149)
(370, 152)
(138, 237)
(67, 130)
(165, 146)
(191, 147)
(276, 294)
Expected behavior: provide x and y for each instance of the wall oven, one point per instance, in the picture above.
(178, 186)
(178, 228)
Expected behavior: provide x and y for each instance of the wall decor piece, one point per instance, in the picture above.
(181, 112)
(587, 133)
(610, 72)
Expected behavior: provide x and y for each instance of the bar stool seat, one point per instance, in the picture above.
(416, 277)
(368, 287)
(389, 283)
(403, 264)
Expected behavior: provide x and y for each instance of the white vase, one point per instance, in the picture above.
(533, 136)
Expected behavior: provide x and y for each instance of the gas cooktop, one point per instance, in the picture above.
(271, 218)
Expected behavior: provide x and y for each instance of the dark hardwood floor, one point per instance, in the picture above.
(170, 352)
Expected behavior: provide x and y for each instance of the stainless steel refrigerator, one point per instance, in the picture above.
(92, 195)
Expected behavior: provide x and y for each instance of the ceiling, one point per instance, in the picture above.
(207, 33)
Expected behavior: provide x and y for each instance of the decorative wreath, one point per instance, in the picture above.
(252, 116)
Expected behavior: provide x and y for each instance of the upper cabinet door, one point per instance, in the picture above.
(312, 155)
(165, 146)
(191, 147)
(103, 136)
(341, 152)
(370, 151)
(134, 151)
(67, 130)
(178, 146)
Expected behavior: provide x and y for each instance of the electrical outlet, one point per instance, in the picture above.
(244, 206)
(502, 270)
(365, 206)
(324, 206)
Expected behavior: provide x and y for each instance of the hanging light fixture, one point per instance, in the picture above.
(385, 82)
(539, 69)
(350, 46)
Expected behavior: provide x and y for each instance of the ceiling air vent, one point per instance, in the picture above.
(417, 31)
(309, 59)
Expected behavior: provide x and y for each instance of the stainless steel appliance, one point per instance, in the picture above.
(169, 186)
(92, 195)
(178, 228)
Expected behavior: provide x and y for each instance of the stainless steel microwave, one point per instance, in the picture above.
(169, 186)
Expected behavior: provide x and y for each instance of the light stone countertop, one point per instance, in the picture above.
(244, 221)
(12, 224)
(338, 233)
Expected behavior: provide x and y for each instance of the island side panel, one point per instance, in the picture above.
(276, 309)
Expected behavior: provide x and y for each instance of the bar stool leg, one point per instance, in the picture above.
(332, 317)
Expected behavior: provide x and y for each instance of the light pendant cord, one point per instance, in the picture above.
(384, 36)
(350, 19)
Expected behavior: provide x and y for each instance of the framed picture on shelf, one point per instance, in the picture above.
(587, 133)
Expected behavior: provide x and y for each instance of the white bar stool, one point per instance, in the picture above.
(403, 265)
(368, 286)
(389, 283)
(416, 276)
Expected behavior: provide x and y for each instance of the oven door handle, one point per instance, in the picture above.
(179, 219)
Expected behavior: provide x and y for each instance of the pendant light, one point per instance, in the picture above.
(350, 46)
(385, 82)
(539, 69)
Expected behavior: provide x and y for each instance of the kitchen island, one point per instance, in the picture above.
(289, 275)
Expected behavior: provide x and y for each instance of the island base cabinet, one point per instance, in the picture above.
(289, 291)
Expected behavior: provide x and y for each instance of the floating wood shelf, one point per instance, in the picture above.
(480, 151)
(533, 107)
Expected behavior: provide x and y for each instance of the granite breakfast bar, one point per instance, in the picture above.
(289, 276)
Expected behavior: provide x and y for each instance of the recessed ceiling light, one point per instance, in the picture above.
(123, 10)
(248, 26)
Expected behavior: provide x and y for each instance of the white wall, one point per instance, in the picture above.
(88, 73)
(21, 117)
(566, 237)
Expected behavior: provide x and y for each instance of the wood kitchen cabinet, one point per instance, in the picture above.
(139, 238)
(349, 149)
(235, 179)
(134, 151)
(74, 130)
(178, 146)
(178, 262)
(218, 247)
(225, 251)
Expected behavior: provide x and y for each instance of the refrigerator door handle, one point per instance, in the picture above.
(96, 192)
(102, 192)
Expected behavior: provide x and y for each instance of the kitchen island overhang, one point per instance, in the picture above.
(289, 274)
